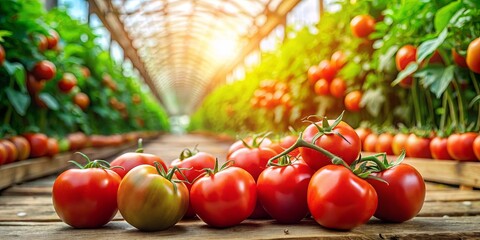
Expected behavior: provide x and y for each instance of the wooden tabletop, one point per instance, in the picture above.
(26, 212)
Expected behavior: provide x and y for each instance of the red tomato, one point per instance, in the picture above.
(33, 85)
(44, 70)
(370, 142)
(67, 82)
(196, 162)
(52, 39)
(253, 160)
(132, 159)
(2, 55)
(348, 149)
(53, 148)
(250, 141)
(282, 191)
(417, 147)
(313, 74)
(224, 198)
(438, 148)
(405, 55)
(459, 59)
(85, 72)
(406, 82)
(338, 199)
(338, 59)
(352, 101)
(384, 143)
(42, 42)
(81, 100)
(398, 143)
(86, 198)
(473, 56)
(338, 87)
(402, 198)
(362, 25)
(12, 152)
(476, 147)
(149, 200)
(77, 140)
(3, 154)
(287, 142)
(460, 146)
(362, 134)
(327, 70)
(322, 87)
(38, 144)
(436, 58)
(22, 145)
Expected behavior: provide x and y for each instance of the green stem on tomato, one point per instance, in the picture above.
(416, 104)
(477, 90)
(453, 116)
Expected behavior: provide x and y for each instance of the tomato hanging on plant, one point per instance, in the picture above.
(362, 25)
(67, 82)
(2, 55)
(322, 87)
(338, 87)
(86, 197)
(44, 70)
(352, 101)
(473, 56)
(81, 100)
(459, 59)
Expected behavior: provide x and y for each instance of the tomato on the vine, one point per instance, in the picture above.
(86, 197)
(322, 87)
(338, 87)
(339, 199)
(460, 146)
(405, 55)
(81, 100)
(459, 59)
(473, 55)
(34, 86)
(352, 101)
(44, 70)
(52, 39)
(338, 59)
(150, 200)
(255, 141)
(362, 25)
(327, 70)
(313, 74)
(2, 55)
(38, 144)
(67, 82)
(282, 190)
(337, 137)
(225, 197)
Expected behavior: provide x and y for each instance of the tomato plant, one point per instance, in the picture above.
(222, 192)
(405, 56)
(86, 197)
(338, 59)
(38, 144)
(282, 190)
(402, 193)
(130, 160)
(362, 25)
(339, 199)
(473, 55)
(460, 146)
(44, 70)
(150, 200)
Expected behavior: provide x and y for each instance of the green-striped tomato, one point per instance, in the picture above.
(149, 201)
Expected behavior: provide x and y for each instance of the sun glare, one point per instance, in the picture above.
(223, 49)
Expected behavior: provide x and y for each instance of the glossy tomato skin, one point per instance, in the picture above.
(460, 146)
(67, 82)
(398, 143)
(384, 143)
(38, 144)
(338, 59)
(287, 142)
(362, 25)
(282, 191)
(338, 87)
(333, 143)
(239, 145)
(363, 133)
(149, 202)
(322, 87)
(473, 55)
(196, 165)
(438, 148)
(2, 55)
(130, 160)
(224, 199)
(352, 101)
(253, 160)
(370, 142)
(327, 70)
(476, 147)
(52, 39)
(338, 199)
(44, 70)
(402, 198)
(313, 74)
(405, 55)
(22, 145)
(86, 198)
(417, 147)
(459, 59)
(12, 152)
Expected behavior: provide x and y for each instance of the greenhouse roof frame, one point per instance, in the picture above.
(184, 48)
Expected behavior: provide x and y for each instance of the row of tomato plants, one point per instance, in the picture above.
(387, 63)
(285, 181)
(56, 80)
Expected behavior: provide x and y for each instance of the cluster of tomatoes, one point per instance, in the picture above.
(457, 146)
(272, 94)
(318, 172)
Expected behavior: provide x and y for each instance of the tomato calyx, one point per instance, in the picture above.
(283, 161)
(93, 164)
(326, 127)
(187, 153)
(170, 173)
(216, 169)
(257, 140)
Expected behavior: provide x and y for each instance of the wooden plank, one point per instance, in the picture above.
(448, 196)
(440, 209)
(438, 228)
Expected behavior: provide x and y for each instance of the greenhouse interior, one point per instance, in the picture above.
(240, 119)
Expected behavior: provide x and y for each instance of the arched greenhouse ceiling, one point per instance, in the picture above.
(184, 48)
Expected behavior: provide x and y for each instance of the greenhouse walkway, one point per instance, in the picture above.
(26, 211)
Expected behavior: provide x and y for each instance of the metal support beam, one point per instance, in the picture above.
(105, 11)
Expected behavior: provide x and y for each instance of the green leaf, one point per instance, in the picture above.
(472, 3)
(428, 47)
(410, 69)
(373, 100)
(4, 33)
(20, 101)
(49, 100)
(443, 15)
(387, 57)
(436, 78)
